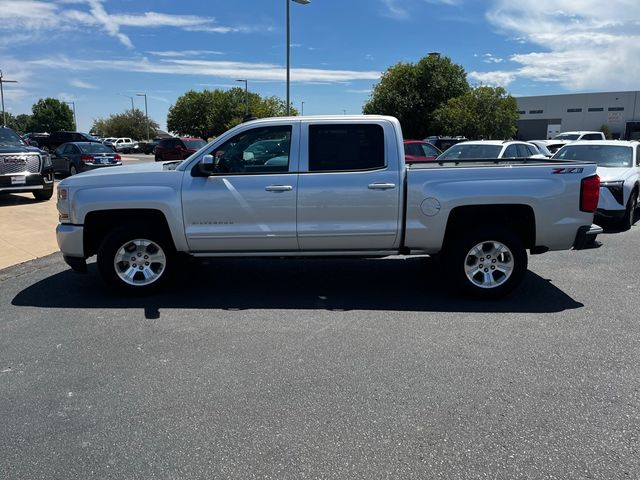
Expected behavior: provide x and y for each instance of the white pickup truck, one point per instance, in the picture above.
(325, 186)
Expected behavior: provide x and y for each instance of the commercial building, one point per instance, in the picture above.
(547, 115)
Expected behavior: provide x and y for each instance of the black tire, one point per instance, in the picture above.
(144, 278)
(459, 259)
(156, 158)
(73, 170)
(43, 195)
(630, 212)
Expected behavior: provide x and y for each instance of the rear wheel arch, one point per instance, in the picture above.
(518, 218)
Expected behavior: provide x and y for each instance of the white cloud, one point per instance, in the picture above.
(184, 53)
(586, 45)
(214, 69)
(395, 9)
(82, 84)
(33, 20)
(490, 58)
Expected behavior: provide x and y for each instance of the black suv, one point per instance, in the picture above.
(24, 168)
(56, 139)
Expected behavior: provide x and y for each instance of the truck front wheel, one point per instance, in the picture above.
(136, 259)
(489, 262)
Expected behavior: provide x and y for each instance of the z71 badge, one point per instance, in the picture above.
(567, 170)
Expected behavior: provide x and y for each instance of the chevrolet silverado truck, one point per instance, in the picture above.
(325, 186)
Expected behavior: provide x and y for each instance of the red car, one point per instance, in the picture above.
(419, 151)
(177, 148)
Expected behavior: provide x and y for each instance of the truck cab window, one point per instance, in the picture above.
(259, 150)
(346, 147)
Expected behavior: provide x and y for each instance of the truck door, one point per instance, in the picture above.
(250, 204)
(349, 187)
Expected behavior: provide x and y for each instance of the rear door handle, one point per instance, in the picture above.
(381, 186)
(278, 188)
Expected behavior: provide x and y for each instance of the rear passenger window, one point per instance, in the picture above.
(511, 152)
(345, 147)
(523, 151)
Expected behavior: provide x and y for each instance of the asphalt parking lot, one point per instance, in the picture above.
(324, 369)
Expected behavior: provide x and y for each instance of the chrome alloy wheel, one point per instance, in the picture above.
(139, 262)
(489, 264)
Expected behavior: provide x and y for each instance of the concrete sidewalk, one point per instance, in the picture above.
(27, 228)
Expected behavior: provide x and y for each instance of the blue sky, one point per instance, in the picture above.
(96, 52)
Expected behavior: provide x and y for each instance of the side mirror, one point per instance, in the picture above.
(248, 156)
(207, 166)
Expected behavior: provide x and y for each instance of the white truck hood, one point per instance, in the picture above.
(109, 174)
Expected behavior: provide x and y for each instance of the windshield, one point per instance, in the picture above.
(603, 155)
(94, 148)
(9, 138)
(464, 151)
(194, 144)
(566, 136)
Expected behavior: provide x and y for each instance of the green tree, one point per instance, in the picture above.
(209, 113)
(412, 91)
(20, 123)
(51, 115)
(607, 131)
(482, 112)
(131, 124)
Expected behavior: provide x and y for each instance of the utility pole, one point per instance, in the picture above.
(4, 114)
(146, 113)
(130, 97)
(246, 97)
(301, 2)
(75, 120)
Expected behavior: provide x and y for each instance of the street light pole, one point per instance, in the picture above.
(4, 114)
(246, 97)
(130, 97)
(75, 120)
(302, 109)
(301, 2)
(146, 113)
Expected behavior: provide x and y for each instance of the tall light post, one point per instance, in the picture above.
(130, 97)
(146, 113)
(4, 114)
(75, 120)
(302, 109)
(301, 2)
(246, 97)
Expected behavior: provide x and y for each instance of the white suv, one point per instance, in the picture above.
(491, 149)
(125, 145)
(580, 135)
(619, 172)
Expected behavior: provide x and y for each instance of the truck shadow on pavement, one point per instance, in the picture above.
(397, 284)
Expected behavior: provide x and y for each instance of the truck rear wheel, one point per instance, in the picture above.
(490, 262)
(136, 259)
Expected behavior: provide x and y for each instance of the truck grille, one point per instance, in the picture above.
(19, 163)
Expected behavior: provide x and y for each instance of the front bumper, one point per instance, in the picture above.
(32, 181)
(586, 237)
(71, 242)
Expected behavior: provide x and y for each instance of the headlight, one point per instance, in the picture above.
(63, 205)
(616, 188)
(46, 161)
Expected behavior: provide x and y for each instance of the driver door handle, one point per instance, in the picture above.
(381, 186)
(278, 188)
